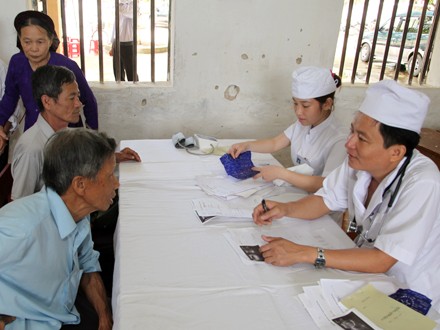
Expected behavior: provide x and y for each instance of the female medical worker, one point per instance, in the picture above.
(315, 138)
(38, 41)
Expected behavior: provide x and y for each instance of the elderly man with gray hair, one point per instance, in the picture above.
(49, 271)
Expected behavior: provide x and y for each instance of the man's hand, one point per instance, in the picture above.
(93, 287)
(4, 320)
(276, 211)
(281, 252)
(127, 154)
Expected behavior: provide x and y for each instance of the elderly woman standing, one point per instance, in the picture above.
(38, 41)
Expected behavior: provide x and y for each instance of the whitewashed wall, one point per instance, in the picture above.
(251, 44)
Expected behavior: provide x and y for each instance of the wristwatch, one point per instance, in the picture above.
(320, 259)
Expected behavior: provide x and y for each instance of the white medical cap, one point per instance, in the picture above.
(395, 105)
(309, 82)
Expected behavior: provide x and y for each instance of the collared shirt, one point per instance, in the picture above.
(125, 22)
(27, 162)
(411, 228)
(43, 254)
(19, 84)
(321, 147)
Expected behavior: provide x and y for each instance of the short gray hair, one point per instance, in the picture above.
(74, 152)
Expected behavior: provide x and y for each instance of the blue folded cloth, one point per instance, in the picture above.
(413, 299)
(240, 167)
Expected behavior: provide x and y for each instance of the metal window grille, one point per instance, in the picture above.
(149, 55)
(402, 38)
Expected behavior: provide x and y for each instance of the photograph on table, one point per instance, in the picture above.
(253, 252)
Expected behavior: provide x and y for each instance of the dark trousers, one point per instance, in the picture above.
(125, 61)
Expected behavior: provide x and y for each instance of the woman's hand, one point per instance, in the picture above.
(269, 173)
(236, 149)
(3, 139)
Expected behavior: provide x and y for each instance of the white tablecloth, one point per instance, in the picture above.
(173, 272)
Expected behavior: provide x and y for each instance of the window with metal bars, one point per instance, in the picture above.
(386, 39)
(114, 40)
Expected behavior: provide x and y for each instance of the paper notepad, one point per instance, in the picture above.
(386, 312)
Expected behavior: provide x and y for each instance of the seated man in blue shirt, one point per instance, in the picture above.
(46, 250)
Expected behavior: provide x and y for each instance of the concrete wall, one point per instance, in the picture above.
(8, 36)
(223, 48)
(231, 74)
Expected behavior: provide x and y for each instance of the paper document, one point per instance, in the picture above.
(386, 312)
(316, 306)
(322, 301)
(298, 231)
(227, 187)
(210, 207)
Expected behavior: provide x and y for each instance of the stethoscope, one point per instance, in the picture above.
(369, 235)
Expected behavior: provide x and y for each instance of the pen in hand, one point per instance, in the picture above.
(263, 203)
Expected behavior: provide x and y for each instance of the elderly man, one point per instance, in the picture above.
(57, 95)
(392, 193)
(46, 250)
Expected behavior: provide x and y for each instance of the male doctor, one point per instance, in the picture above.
(392, 193)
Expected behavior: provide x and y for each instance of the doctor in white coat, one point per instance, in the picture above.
(392, 193)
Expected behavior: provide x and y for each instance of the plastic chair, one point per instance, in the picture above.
(73, 47)
(94, 47)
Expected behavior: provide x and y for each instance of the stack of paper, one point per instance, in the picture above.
(227, 187)
(360, 304)
(386, 312)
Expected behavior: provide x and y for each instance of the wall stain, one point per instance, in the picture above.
(144, 102)
(244, 56)
(263, 56)
(299, 60)
(194, 54)
(231, 92)
(216, 87)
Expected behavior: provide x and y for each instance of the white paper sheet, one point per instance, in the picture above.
(227, 187)
(216, 207)
(298, 231)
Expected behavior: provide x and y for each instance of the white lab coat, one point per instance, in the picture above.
(321, 147)
(411, 229)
